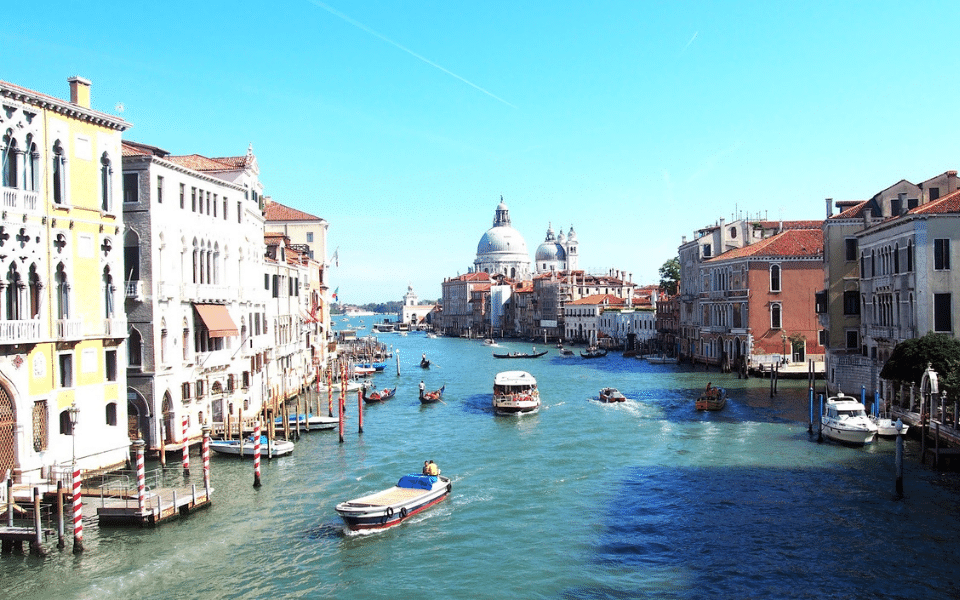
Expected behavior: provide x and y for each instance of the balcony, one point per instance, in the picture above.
(115, 328)
(69, 329)
(22, 200)
(19, 332)
(883, 333)
(203, 292)
(134, 290)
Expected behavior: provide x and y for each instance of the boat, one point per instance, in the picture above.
(363, 371)
(887, 427)
(712, 398)
(432, 397)
(424, 362)
(376, 366)
(277, 447)
(660, 359)
(431, 335)
(845, 420)
(384, 394)
(593, 353)
(566, 352)
(489, 342)
(534, 354)
(609, 394)
(386, 508)
(310, 421)
(515, 393)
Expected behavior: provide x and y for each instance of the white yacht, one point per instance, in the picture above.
(845, 420)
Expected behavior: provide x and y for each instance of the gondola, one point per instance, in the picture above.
(520, 355)
(596, 353)
(424, 363)
(384, 394)
(432, 397)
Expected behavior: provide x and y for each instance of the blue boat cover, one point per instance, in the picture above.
(417, 482)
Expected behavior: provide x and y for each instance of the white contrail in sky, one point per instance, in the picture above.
(690, 42)
(359, 25)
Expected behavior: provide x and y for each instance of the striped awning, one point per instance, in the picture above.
(217, 320)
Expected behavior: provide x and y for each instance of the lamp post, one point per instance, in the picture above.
(783, 339)
(73, 412)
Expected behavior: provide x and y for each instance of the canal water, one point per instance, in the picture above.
(646, 499)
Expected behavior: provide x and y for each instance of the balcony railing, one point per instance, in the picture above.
(116, 328)
(14, 199)
(69, 329)
(18, 332)
(134, 290)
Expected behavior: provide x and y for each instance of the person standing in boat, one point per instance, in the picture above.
(421, 388)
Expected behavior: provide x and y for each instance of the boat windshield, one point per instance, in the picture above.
(851, 412)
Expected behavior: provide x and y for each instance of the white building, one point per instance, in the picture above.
(582, 317)
(199, 331)
(629, 326)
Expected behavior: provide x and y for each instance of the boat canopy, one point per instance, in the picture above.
(515, 378)
(417, 482)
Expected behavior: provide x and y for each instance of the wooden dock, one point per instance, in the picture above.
(940, 442)
(160, 506)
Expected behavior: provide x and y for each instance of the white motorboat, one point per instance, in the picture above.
(515, 393)
(276, 448)
(310, 421)
(887, 427)
(412, 494)
(661, 359)
(845, 420)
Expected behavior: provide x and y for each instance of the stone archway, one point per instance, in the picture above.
(138, 417)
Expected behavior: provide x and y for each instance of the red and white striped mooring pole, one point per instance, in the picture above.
(205, 453)
(256, 454)
(186, 448)
(77, 512)
(138, 446)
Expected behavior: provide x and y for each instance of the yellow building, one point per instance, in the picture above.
(62, 325)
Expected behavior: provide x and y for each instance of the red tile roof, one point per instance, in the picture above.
(792, 242)
(948, 204)
(854, 212)
(200, 163)
(597, 299)
(279, 212)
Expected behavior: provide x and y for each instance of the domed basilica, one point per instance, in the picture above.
(503, 251)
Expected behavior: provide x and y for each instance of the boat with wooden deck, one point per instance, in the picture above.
(712, 398)
(384, 394)
(432, 397)
(609, 394)
(276, 447)
(515, 393)
(534, 354)
(386, 508)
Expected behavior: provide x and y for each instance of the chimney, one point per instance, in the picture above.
(829, 207)
(79, 91)
(951, 181)
(867, 216)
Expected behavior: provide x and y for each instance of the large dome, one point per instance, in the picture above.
(502, 239)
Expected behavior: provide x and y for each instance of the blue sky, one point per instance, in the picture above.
(402, 123)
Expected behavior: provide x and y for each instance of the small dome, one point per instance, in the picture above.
(550, 251)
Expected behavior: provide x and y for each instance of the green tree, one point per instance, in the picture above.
(909, 359)
(670, 276)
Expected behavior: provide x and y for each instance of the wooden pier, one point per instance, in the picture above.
(159, 506)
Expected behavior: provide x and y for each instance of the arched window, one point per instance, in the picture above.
(66, 428)
(106, 183)
(196, 261)
(108, 291)
(164, 340)
(910, 256)
(111, 414)
(59, 172)
(34, 293)
(14, 287)
(31, 166)
(63, 292)
(774, 278)
(896, 258)
(776, 316)
(186, 340)
(135, 349)
(10, 160)
(131, 256)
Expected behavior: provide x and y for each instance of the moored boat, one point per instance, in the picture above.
(712, 398)
(276, 448)
(515, 393)
(432, 397)
(660, 359)
(384, 394)
(535, 354)
(386, 508)
(845, 420)
(310, 421)
(609, 394)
